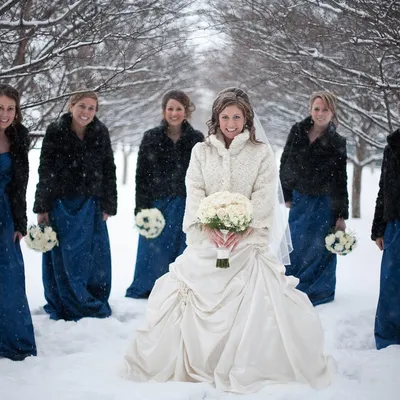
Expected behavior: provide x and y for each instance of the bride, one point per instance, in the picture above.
(242, 327)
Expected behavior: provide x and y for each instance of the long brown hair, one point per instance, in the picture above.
(12, 93)
(232, 97)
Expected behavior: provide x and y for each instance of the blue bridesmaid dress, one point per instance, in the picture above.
(387, 321)
(154, 255)
(77, 273)
(17, 340)
(310, 221)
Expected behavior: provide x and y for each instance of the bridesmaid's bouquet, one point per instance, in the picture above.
(340, 242)
(41, 238)
(150, 222)
(228, 212)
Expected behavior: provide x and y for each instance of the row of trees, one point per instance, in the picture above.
(130, 51)
(282, 50)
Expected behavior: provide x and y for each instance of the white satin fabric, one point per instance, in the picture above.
(238, 328)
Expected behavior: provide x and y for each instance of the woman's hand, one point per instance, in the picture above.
(380, 243)
(18, 235)
(43, 218)
(233, 239)
(215, 235)
(340, 225)
(105, 216)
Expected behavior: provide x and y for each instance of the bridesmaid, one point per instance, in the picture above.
(17, 339)
(163, 159)
(76, 194)
(314, 182)
(386, 234)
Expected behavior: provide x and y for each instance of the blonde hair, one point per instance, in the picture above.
(329, 99)
(75, 98)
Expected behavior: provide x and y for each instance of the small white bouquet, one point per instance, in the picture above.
(228, 212)
(150, 222)
(41, 238)
(341, 242)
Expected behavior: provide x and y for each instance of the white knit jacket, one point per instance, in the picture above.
(245, 168)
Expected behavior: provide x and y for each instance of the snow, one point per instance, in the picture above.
(81, 360)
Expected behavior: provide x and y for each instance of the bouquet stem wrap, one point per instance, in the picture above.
(223, 253)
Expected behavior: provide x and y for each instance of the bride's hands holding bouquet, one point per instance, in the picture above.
(215, 235)
(233, 238)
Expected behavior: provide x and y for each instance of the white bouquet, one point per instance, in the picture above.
(340, 242)
(150, 222)
(41, 238)
(228, 212)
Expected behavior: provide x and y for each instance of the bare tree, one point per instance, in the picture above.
(53, 48)
(284, 49)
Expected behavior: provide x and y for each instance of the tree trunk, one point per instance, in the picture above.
(126, 151)
(356, 191)
(125, 168)
(361, 154)
(26, 14)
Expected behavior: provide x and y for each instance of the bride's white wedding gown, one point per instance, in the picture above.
(241, 327)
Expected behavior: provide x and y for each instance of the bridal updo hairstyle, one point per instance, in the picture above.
(232, 97)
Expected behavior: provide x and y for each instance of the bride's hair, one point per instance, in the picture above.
(232, 97)
(239, 92)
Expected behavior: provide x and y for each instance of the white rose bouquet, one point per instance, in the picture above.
(340, 242)
(228, 212)
(41, 238)
(150, 222)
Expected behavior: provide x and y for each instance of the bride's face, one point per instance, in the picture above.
(231, 121)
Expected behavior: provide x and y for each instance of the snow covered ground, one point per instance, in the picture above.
(80, 361)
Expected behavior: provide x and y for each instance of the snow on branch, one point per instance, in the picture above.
(8, 5)
(49, 56)
(40, 24)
